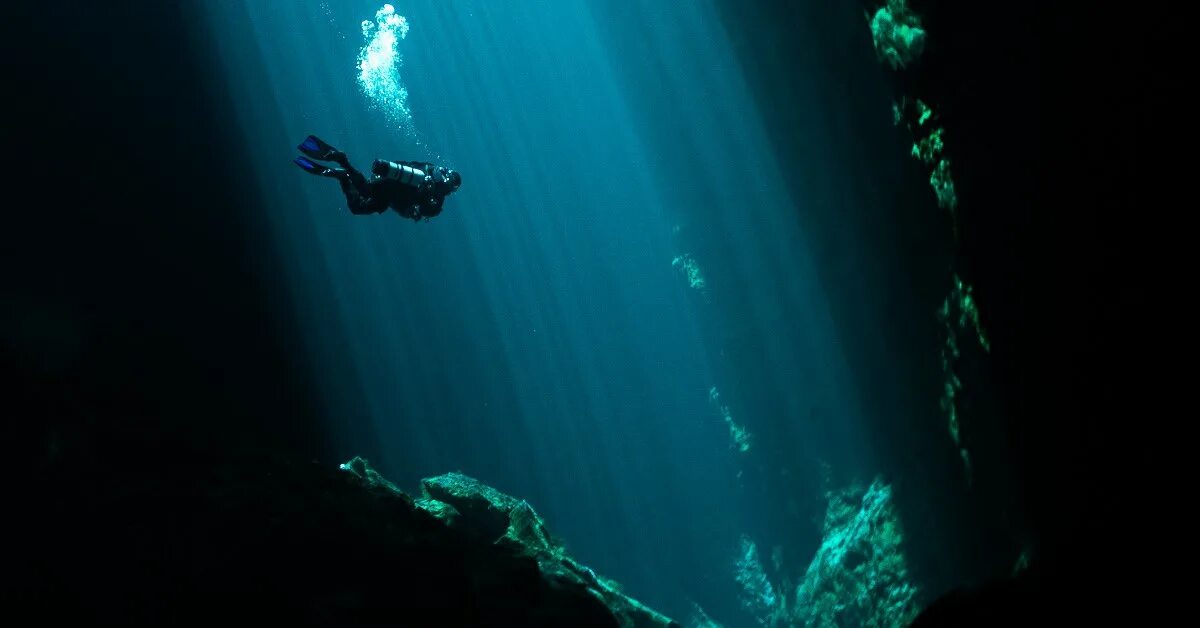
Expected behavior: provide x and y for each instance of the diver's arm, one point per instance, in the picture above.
(431, 206)
(368, 206)
(373, 204)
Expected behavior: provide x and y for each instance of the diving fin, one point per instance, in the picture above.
(316, 148)
(317, 169)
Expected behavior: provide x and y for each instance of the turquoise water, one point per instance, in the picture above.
(626, 315)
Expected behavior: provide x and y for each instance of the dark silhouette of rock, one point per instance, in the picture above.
(171, 535)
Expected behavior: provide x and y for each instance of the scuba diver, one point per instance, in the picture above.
(414, 189)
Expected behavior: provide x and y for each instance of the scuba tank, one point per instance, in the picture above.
(407, 175)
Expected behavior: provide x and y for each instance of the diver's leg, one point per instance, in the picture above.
(360, 196)
(353, 192)
(355, 177)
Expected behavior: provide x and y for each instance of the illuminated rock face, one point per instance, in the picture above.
(858, 576)
(897, 33)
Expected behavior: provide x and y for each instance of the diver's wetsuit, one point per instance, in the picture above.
(375, 195)
(414, 189)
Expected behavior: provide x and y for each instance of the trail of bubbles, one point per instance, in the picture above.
(379, 63)
(328, 11)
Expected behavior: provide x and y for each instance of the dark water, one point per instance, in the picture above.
(536, 335)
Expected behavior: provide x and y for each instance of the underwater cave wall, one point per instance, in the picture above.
(1035, 103)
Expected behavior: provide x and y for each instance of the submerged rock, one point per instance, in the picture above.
(490, 517)
(486, 510)
(272, 542)
(187, 537)
(740, 439)
(858, 576)
(897, 34)
(687, 265)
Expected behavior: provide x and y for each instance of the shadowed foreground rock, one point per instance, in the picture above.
(480, 516)
(255, 540)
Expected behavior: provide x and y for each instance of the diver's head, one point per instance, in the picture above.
(450, 178)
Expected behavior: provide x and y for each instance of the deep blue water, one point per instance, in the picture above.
(536, 335)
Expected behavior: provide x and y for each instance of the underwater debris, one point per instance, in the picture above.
(757, 596)
(739, 437)
(924, 113)
(897, 34)
(379, 61)
(958, 315)
(949, 406)
(690, 269)
(700, 619)
(1022, 563)
(950, 389)
(928, 148)
(916, 111)
(966, 460)
(943, 186)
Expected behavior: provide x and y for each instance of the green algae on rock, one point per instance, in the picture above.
(487, 517)
(858, 576)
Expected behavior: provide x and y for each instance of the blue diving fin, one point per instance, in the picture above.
(316, 148)
(317, 169)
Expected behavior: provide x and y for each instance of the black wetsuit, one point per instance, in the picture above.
(377, 194)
